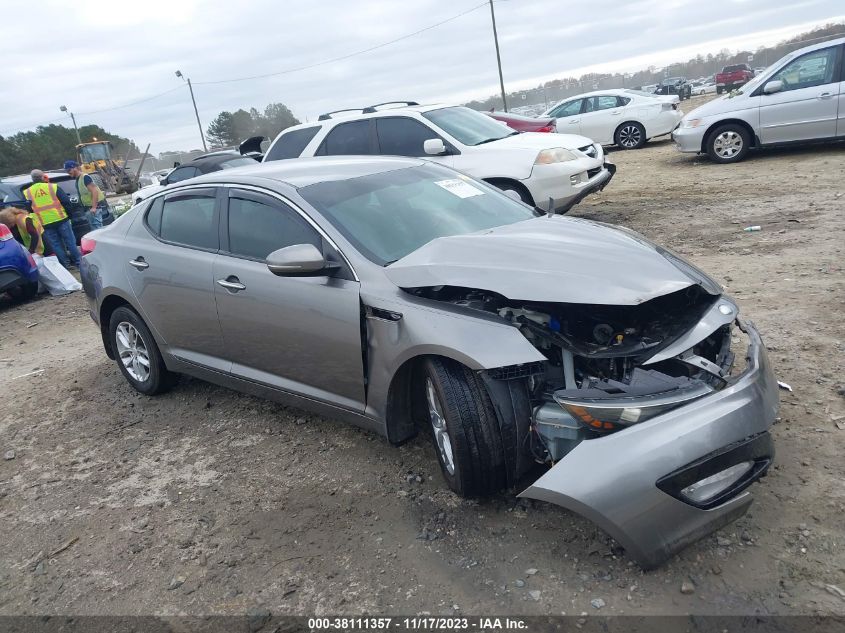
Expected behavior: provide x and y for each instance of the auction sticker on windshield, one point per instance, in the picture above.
(459, 188)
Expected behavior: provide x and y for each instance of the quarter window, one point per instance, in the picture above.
(258, 228)
(401, 136)
(188, 220)
(348, 138)
(292, 144)
(812, 69)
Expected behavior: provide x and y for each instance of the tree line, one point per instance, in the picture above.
(49, 146)
(698, 66)
(231, 128)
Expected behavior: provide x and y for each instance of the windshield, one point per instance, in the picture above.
(91, 153)
(391, 214)
(672, 80)
(9, 194)
(468, 126)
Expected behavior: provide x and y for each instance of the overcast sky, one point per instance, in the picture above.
(95, 55)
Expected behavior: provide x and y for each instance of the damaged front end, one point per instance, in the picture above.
(652, 417)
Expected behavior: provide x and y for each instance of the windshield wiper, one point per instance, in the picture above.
(498, 138)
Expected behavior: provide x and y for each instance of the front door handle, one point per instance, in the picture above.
(574, 121)
(231, 283)
(139, 263)
(826, 95)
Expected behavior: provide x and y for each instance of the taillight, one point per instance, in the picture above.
(87, 245)
(547, 128)
(5, 233)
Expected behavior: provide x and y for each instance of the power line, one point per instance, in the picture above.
(134, 103)
(342, 57)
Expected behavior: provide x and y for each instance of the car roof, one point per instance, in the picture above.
(301, 172)
(25, 179)
(357, 114)
(213, 157)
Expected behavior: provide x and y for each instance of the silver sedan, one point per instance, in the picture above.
(400, 296)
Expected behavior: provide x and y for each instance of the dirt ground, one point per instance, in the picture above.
(205, 501)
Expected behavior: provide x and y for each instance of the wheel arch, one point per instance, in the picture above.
(510, 182)
(744, 124)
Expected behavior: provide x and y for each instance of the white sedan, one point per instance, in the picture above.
(627, 118)
(704, 89)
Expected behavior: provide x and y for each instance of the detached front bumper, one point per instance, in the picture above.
(629, 482)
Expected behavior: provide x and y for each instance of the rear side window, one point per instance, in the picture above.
(257, 227)
(292, 144)
(401, 136)
(623, 101)
(347, 138)
(182, 173)
(189, 220)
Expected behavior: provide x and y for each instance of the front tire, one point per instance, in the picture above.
(465, 429)
(24, 292)
(630, 135)
(728, 143)
(137, 354)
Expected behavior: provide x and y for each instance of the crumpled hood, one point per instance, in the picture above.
(556, 260)
(540, 141)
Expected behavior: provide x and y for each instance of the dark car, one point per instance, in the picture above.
(205, 164)
(16, 185)
(524, 123)
(675, 86)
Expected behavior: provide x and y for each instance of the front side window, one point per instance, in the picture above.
(292, 144)
(567, 109)
(258, 226)
(401, 136)
(812, 69)
(188, 219)
(470, 127)
(347, 138)
(391, 214)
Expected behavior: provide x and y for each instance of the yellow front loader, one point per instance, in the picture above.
(95, 158)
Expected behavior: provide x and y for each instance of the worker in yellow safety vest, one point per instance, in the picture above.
(49, 204)
(26, 227)
(90, 195)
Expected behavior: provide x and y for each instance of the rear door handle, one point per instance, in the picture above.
(231, 283)
(825, 95)
(139, 263)
(574, 121)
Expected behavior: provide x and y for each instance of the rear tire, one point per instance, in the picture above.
(630, 135)
(137, 354)
(465, 429)
(728, 143)
(24, 293)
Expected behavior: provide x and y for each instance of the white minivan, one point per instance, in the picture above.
(798, 99)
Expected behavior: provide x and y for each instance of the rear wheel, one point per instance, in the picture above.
(137, 354)
(464, 427)
(24, 292)
(728, 143)
(630, 135)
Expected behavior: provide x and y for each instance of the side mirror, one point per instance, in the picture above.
(772, 87)
(434, 147)
(299, 259)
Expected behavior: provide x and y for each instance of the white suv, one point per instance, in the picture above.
(537, 167)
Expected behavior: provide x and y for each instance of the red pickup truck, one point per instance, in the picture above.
(733, 77)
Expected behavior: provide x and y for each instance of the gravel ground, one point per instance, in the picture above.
(205, 501)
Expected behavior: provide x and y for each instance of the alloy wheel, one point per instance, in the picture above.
(438, 425)
(132, 351)
(727, 144)
(629, 136)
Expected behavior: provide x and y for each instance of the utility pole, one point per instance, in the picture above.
(196, 112)
(498, 57)
(72, 118)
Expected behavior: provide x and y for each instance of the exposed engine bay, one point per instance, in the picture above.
(598, 379)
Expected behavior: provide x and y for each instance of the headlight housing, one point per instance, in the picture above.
(554, 155)
(691, 122)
